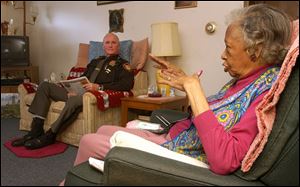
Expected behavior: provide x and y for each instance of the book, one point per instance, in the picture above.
(144, 118)
(75, 85)
(97, 164)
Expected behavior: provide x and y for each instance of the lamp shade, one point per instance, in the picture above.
(165, 39)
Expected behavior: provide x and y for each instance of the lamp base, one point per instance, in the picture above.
(163, 89)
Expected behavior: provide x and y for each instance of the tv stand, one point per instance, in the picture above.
(11, 77)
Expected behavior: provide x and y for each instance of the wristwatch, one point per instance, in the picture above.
(100, 87)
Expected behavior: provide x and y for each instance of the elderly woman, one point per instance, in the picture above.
(224, 125)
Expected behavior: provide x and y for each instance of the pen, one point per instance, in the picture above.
(199, 73)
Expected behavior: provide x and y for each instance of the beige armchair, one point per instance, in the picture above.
(91, 118)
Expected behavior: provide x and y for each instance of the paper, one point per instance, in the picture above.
(98, 164)
(138, 124)
(125, 139)
(75, 85)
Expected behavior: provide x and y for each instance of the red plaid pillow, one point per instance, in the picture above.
(76, 72)
(109, 98)
(30, 87)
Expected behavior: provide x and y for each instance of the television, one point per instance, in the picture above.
(14, 51)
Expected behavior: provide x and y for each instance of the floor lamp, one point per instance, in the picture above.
(165, 43)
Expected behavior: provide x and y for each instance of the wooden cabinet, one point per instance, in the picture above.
(11, 76)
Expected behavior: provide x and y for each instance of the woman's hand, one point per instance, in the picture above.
(166, 66)
(170, 74)
(91, 87)
(176, 78)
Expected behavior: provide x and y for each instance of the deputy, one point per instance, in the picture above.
(105, 72)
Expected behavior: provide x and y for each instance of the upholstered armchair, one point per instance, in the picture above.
(91, 118)
(277, 164)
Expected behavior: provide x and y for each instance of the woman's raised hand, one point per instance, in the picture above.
(166, 66)
(170, 74)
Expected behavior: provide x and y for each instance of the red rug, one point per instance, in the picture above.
(53, 149)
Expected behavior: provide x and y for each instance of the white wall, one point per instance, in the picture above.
(9, 12)
(61, 26)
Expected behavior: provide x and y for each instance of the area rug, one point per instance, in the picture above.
(50, 150)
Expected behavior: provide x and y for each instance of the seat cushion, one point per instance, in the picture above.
(57, 107)
(83, 175)
(28, 98)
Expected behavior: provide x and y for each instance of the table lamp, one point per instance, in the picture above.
(165, 43)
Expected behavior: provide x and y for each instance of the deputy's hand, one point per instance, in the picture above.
(91, 87)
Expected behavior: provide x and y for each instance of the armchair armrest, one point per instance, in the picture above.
(127, 166)
(26, 88)
(21, 90)
(93, 117)
(89, 98)
(25, 99)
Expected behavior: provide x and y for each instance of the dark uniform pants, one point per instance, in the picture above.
(41, 103)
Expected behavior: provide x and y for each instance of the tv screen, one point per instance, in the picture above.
(14, 51)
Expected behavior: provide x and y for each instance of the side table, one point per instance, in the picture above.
(151, 103)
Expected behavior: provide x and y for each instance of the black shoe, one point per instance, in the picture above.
(42, 141)
(37, 127)
(21, 141)
(36, 131)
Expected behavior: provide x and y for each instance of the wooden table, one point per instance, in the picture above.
(151, 103)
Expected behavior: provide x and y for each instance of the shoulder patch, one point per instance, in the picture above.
(126, 66)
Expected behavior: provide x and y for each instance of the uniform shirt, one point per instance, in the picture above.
(115, 73)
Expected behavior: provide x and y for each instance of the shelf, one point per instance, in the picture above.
(18, 73)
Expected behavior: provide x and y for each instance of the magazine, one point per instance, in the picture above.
(75, 85)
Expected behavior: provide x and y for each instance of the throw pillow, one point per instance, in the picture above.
(76, 72)
(83, 52)
(96, 50)
(139, 54)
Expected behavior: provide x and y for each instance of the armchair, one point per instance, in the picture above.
(278, 163)
(91, 118)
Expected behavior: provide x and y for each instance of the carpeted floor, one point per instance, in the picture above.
(10, 105)
(15, 171)
(10, 111)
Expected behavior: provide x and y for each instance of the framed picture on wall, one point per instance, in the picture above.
(116, 20)
(185, 4)
(107, 2)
